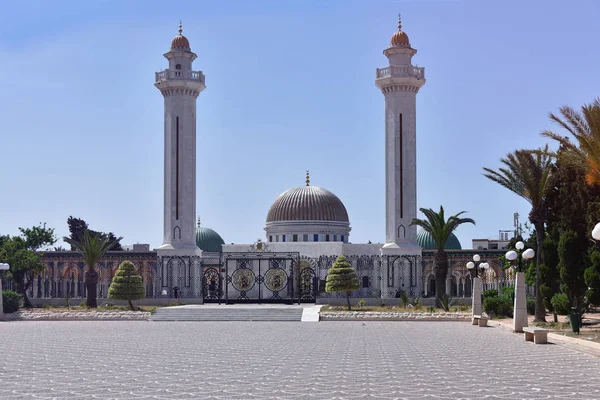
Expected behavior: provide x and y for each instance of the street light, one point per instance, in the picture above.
(520, 307)
(527, 254)
(475, 266)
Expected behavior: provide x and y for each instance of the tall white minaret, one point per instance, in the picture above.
(180, 86)
(399, 82)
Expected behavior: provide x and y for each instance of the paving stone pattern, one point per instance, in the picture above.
(285, 360)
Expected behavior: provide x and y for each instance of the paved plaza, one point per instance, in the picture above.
(282, 360)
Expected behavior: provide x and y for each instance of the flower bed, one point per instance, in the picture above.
(49, 315)
(393, 316)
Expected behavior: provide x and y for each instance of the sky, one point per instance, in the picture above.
(290, 88)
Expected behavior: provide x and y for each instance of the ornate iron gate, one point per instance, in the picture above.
(265, 277)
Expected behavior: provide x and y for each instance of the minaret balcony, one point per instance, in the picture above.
(401, 71)
(179, 75)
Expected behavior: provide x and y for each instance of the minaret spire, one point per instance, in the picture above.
(180, 28)
(198, 222)
(399, 22)
(307, 178)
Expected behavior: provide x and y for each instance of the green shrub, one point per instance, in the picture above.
(11, 301)
(498, 306)
(531, 305)
(445, 302)
(361, 303)
(490, 293)
(508, 291)
(404, 299)
(127, 284)
(561, 304)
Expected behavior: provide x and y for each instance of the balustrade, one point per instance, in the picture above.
(170, 74)
(401, 71)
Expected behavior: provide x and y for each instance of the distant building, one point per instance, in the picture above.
(501, 243)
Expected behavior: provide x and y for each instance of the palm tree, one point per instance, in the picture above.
(92, 248)
(440, 230)
(527, 173)
(584, 126)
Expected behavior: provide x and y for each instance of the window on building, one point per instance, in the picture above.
(365, 281)
(271, 238)
(493, 246)
(342, 239)
(277, 238)
(335, 238)
(178, 66)
(315, 238)
(327, 238)
(295, 238)
(305, 238)
(283, 238)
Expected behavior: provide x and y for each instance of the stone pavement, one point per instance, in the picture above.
(281, 360)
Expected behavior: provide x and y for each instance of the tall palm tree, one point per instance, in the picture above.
(527, 173)
(92, 248)
(440, 230)
(584, 126)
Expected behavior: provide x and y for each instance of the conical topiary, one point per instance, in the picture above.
(341, 277)
(127, 284)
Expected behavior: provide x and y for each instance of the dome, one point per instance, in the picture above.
(307, 203)
(400, 38)
(425, 240)
(209, 240)
(180, 42)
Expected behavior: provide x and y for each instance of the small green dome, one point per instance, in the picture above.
(209, 240)
(425, 240)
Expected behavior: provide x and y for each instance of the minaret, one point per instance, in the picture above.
(180, 86)
(399, 82)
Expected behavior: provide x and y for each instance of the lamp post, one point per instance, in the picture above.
(474, 266)
(3, 267)
(520, 306)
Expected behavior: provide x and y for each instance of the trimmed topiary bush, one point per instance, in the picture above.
(11, 301)
(341, 277)
(561, 304)
(127, 284)
(498, 305)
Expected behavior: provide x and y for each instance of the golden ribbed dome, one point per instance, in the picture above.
(180, 42)
(400, 38)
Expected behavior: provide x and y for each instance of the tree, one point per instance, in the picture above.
(92, 248)
(440, 230)
(527, 174)
(592, 278)
(127, 284)
(584, 126)
(571, 267)
(341, 277)
(21, 252)
(78, 227)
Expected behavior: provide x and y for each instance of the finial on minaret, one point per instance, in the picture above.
(307, 178)
(399, 22)
(198, 222)
(180, 28)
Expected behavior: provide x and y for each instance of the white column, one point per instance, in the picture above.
(476, 303)
(520, 307)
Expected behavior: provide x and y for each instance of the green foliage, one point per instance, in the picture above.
(361, 303)
(490, 293)
(341, 277)
(445, 302)
(530, 305)
(11, 301)
(78, 227)
(561, 304)
(498, 306)
(20, 253)
(127, 284)
(404, 299)
(571, 267)
(440, 230)
(592, 278)
(92, 248)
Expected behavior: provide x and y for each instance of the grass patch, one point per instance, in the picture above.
(401, 309)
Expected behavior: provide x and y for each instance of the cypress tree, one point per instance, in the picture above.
(127, 284)
(341, 277)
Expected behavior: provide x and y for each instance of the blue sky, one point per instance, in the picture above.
(290, 87)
